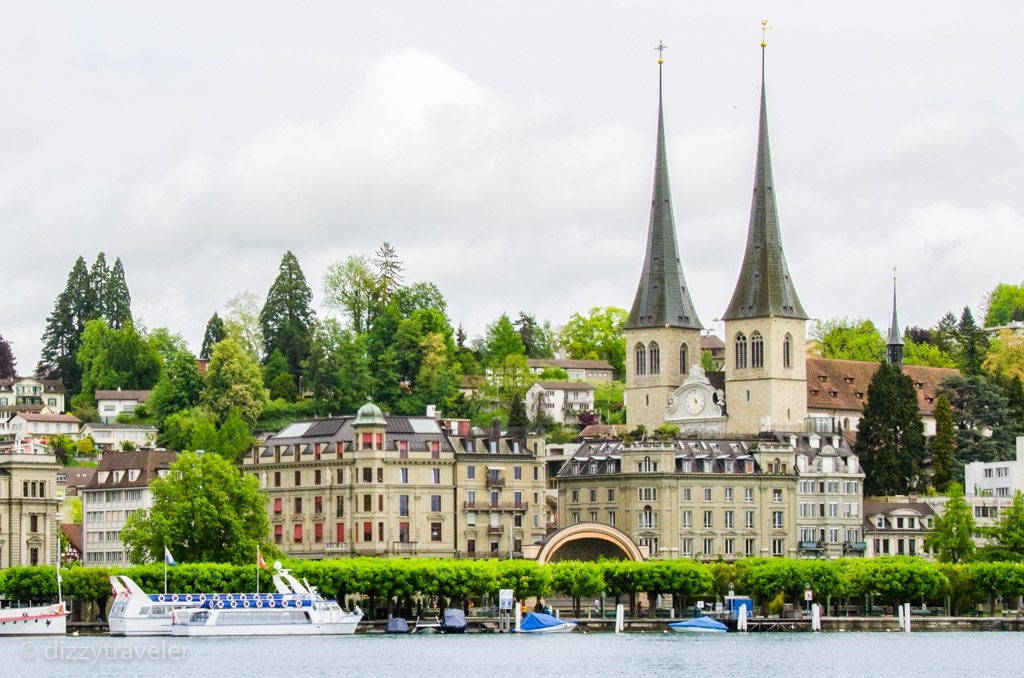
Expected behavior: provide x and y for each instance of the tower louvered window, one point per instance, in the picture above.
(641, 359)
(655, 354)
(741, 351)
(684, 358)
(787, 351)
(756, 350)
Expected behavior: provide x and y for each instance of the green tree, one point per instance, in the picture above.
(518, 422)
(233, 380)
(1008, 534)
(536, 337)
(242, 322)
(275, 366)
(943, 445)
(338, 369)
(99, 279)
(178, 389)
(117, 302)
(204, 511)
(600, 335)
(214, 334)
(846, 339)
(168, 344)
(973, 342)
(286, 320)
(925, 354)
(1004, 304)
(708, 362)
(1015, 405)
(980, 413)
(350, 288)
(944, 336)
(1005, 359)
(234, 437)
(577, 580)
(111, 359)
(502, 340)
(8, 365)
(890, 436)
(61, 340)
(389, 272)
(180, 429)
(952, 538)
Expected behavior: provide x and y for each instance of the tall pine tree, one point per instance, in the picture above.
(287, 317)
(890, 436)
(213, 336)
(99, 279)
(74, 307)
(117, 300)
(943, 445)
(8, 365)
(973, 343)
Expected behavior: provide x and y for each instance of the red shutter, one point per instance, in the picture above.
(318, 532)
(297, 534)
(277, 506)
(341, 533)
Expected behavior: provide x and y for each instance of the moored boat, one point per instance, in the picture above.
(538, 622)
(136, 613)
(35, 620)
(699, 625)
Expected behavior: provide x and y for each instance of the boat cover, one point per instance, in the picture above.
(538, 620)
(396, 625)
(454, 619)
(700, 623)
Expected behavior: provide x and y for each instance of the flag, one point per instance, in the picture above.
(168, 558)
(259, 560)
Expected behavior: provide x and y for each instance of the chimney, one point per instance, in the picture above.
(496, 428)
(431, 410)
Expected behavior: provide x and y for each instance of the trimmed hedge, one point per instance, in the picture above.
(381, 583)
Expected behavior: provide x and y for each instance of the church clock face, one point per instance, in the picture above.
(694, 401)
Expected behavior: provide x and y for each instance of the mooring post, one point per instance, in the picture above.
(620, 617)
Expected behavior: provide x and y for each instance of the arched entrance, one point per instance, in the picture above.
(588, 541)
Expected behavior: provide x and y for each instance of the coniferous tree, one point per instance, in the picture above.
(8, 365)
(214, 335)
(287, 317)
(518, 422)
(389, 272)
(502, 340)
(890, 436)
(99, 279)
(980, 414)
(62, 338)
(973, 342)
(1015, 403)
(117, 304)
(535, 336)
(943, 445)
(944, 336)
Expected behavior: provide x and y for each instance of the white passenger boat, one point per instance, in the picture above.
(296, 610)
(136, 613)
(36, 620)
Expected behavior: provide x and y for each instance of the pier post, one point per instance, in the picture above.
(815, 617)
(741, 621)
(620, 617)
(519, 616)
(906, 617)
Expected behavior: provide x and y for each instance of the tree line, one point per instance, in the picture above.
(398, 585)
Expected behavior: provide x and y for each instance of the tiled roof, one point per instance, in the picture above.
(139, 396)
(49, 385)
(566, 364)
(147, 462)
(78, 476)
(566, 385)
(843, 384)
(52, 418)
(711, 342)
(73, 533)
(101, 426)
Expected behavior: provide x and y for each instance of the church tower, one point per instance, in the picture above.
(765, 324)
(894, 344)
(663, 331)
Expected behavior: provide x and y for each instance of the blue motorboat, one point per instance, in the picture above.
(699, 625)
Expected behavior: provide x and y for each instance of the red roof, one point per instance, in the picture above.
(54, 418)
(843, 384)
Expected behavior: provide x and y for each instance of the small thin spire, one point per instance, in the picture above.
(894, 344)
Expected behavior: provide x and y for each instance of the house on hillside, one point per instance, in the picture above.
(562, 401)
(578, 370)
(112, 403)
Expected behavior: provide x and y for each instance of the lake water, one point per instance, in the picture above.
(864, 655)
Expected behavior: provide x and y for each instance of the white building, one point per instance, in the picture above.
(562, 401)
(112, 403)
(31, 425)
(29, 504)
(32, 391)
(119, 489)
(578, 370)
(112, 436)
(996, 478)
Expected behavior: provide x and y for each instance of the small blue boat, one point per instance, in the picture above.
(454, 621)
(538, 622)
(699, 625)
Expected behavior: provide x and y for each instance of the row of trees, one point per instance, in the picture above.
(392, 584)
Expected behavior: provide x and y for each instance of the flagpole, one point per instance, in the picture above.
(257, 569)
(165, 569)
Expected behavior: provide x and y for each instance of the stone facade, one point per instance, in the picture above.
(651, 381)
(29, 505)
(377, 485)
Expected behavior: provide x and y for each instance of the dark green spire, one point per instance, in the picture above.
(764, 287)
(662, 299)
(894, 344)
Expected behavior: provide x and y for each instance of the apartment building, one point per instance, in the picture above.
(830, 498)
(29, 505)
(561, 401)
(119, 488)
(383, 485)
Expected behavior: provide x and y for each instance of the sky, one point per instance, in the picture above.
(506, 150)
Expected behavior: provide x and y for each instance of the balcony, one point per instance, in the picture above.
(496, 506)
(496, 530)
(405, 546)
(336, 547)
(812, 546)
(495, 481)
(855, 546)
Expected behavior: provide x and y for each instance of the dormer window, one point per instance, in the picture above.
(822, 378)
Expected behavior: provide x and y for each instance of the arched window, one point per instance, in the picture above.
(787, 351)
(756, 350)
(655, 354)
(741, 351)
(641, 359)
(684, 359)
(648, 519)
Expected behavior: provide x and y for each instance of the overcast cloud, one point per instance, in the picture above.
(505, 149)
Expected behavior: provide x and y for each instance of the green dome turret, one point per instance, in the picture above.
(369, 415)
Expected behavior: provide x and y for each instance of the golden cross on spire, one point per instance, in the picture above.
(764, 29)
(894, 274)
(660, 49)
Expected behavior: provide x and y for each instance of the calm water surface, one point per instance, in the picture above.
(594, 655)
